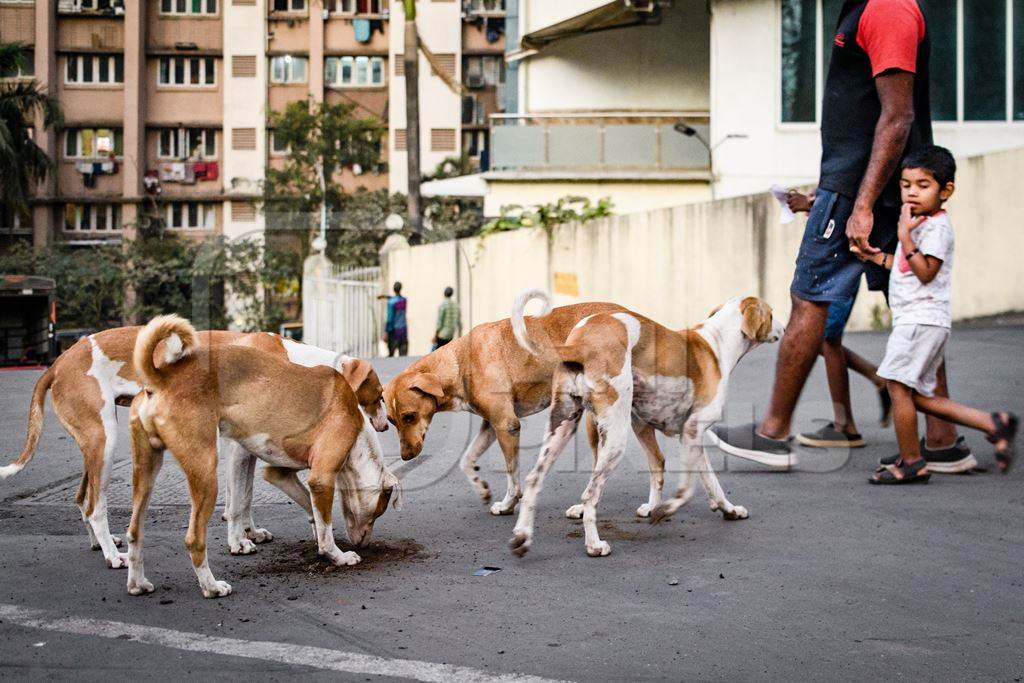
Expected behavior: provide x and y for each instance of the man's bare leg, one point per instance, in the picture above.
(863, 367)
(797, 353)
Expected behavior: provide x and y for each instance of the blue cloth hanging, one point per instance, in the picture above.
(362, 30)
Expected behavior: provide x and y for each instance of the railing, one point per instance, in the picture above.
(601, 142)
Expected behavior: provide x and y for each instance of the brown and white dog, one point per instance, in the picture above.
(626, 369)
(488, 373)
(88, 380)
(290, 416)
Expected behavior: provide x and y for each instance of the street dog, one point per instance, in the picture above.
(488, 373)
(88, 380)
(291, 416)
(624, 368)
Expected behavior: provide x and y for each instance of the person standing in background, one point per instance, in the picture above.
(396, 333)
(449, 320)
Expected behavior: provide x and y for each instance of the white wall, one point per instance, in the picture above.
(643, 68)
(439, 25)
(627, 197)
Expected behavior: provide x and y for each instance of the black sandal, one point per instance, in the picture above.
(1006, 430)
(900, 473)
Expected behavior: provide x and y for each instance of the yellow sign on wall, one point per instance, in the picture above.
(566, 283)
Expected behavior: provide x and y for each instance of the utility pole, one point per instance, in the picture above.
(412, 118)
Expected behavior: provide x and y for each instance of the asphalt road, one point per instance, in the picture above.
(829, 578)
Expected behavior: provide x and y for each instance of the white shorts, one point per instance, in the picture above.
(913, 356)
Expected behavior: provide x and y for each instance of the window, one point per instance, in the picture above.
(186, 71)
(288, 69)
(99, 5)
(187, 143)
(92, 143)
(289, 5)
(354, 71)
(969, 81)
(201, 7)
(94, 69)
(191, 216)
(358, 6)
(278, 146)
(92, 217)
(483, 70)
(27, 69)
(477, 6)
(474, 143)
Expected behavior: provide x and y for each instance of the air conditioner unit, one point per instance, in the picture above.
(475, 81)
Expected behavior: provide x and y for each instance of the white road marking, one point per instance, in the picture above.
(298, 655)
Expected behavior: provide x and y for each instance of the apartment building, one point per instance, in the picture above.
(167, 102)
(658, 103)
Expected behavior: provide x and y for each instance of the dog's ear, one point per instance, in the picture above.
(757, 319)
(356, 371)
(429, 384)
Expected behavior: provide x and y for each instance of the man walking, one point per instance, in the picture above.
(875, 109)
(396, 334)
(449, 320)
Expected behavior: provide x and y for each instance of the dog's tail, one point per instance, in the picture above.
(35, 425)
(519, 321)
(181, 340)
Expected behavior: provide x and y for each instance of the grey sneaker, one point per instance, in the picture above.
(743, 441)
(830, 437)
(956, 459)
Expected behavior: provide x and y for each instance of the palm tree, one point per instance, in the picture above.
(22, 162)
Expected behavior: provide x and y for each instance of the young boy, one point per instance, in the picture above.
(919, 296)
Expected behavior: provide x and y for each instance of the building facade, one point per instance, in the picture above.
(662, 102)
(167, 102)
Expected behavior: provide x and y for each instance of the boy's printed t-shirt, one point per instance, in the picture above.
(913, 302)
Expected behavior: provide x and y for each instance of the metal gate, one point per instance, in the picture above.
(340, 309)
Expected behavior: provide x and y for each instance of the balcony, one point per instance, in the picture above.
(616, 145)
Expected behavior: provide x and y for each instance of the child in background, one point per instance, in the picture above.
(919, 296)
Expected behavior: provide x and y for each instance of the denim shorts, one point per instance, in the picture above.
(826, 271)
(838, 315)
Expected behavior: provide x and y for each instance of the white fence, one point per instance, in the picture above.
(340, 309)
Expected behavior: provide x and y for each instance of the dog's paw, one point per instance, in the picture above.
(575, 511)
(738, 512)
(118, 561)
(242, 547)
(139, 586)
(520, 542)
(483, 489)
(644, 511)
(118, 543)
(599, 549)
(503, 508)
(660, 513)
(217, 589)
(345, 559)
(259, 535)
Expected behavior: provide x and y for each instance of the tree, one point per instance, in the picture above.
(22, 162)
(412, 116)
(319, 136)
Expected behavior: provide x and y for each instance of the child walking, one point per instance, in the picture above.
(919, 296)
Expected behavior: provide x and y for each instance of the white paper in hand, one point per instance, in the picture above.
(782, 196)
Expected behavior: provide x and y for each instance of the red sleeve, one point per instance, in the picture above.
(890, 31)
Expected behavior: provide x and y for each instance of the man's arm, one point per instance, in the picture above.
(896, 93)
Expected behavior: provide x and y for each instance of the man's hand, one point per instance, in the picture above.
(858, 230)
(878, 259)
(908, 222)
(799, 202)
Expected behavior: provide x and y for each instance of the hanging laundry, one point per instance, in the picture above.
(212, 170)
(362, 30)
(109, 167)
(199, 169)
(377, 25)
(495, 27)
(89, 180)
(189, 177)
(165, 171)
(177, 171)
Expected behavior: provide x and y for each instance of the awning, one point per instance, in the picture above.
(459, 186)
(610, 15)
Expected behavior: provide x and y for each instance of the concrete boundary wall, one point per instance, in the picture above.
(676, 264)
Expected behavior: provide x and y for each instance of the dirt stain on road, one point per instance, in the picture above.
(302, 558)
